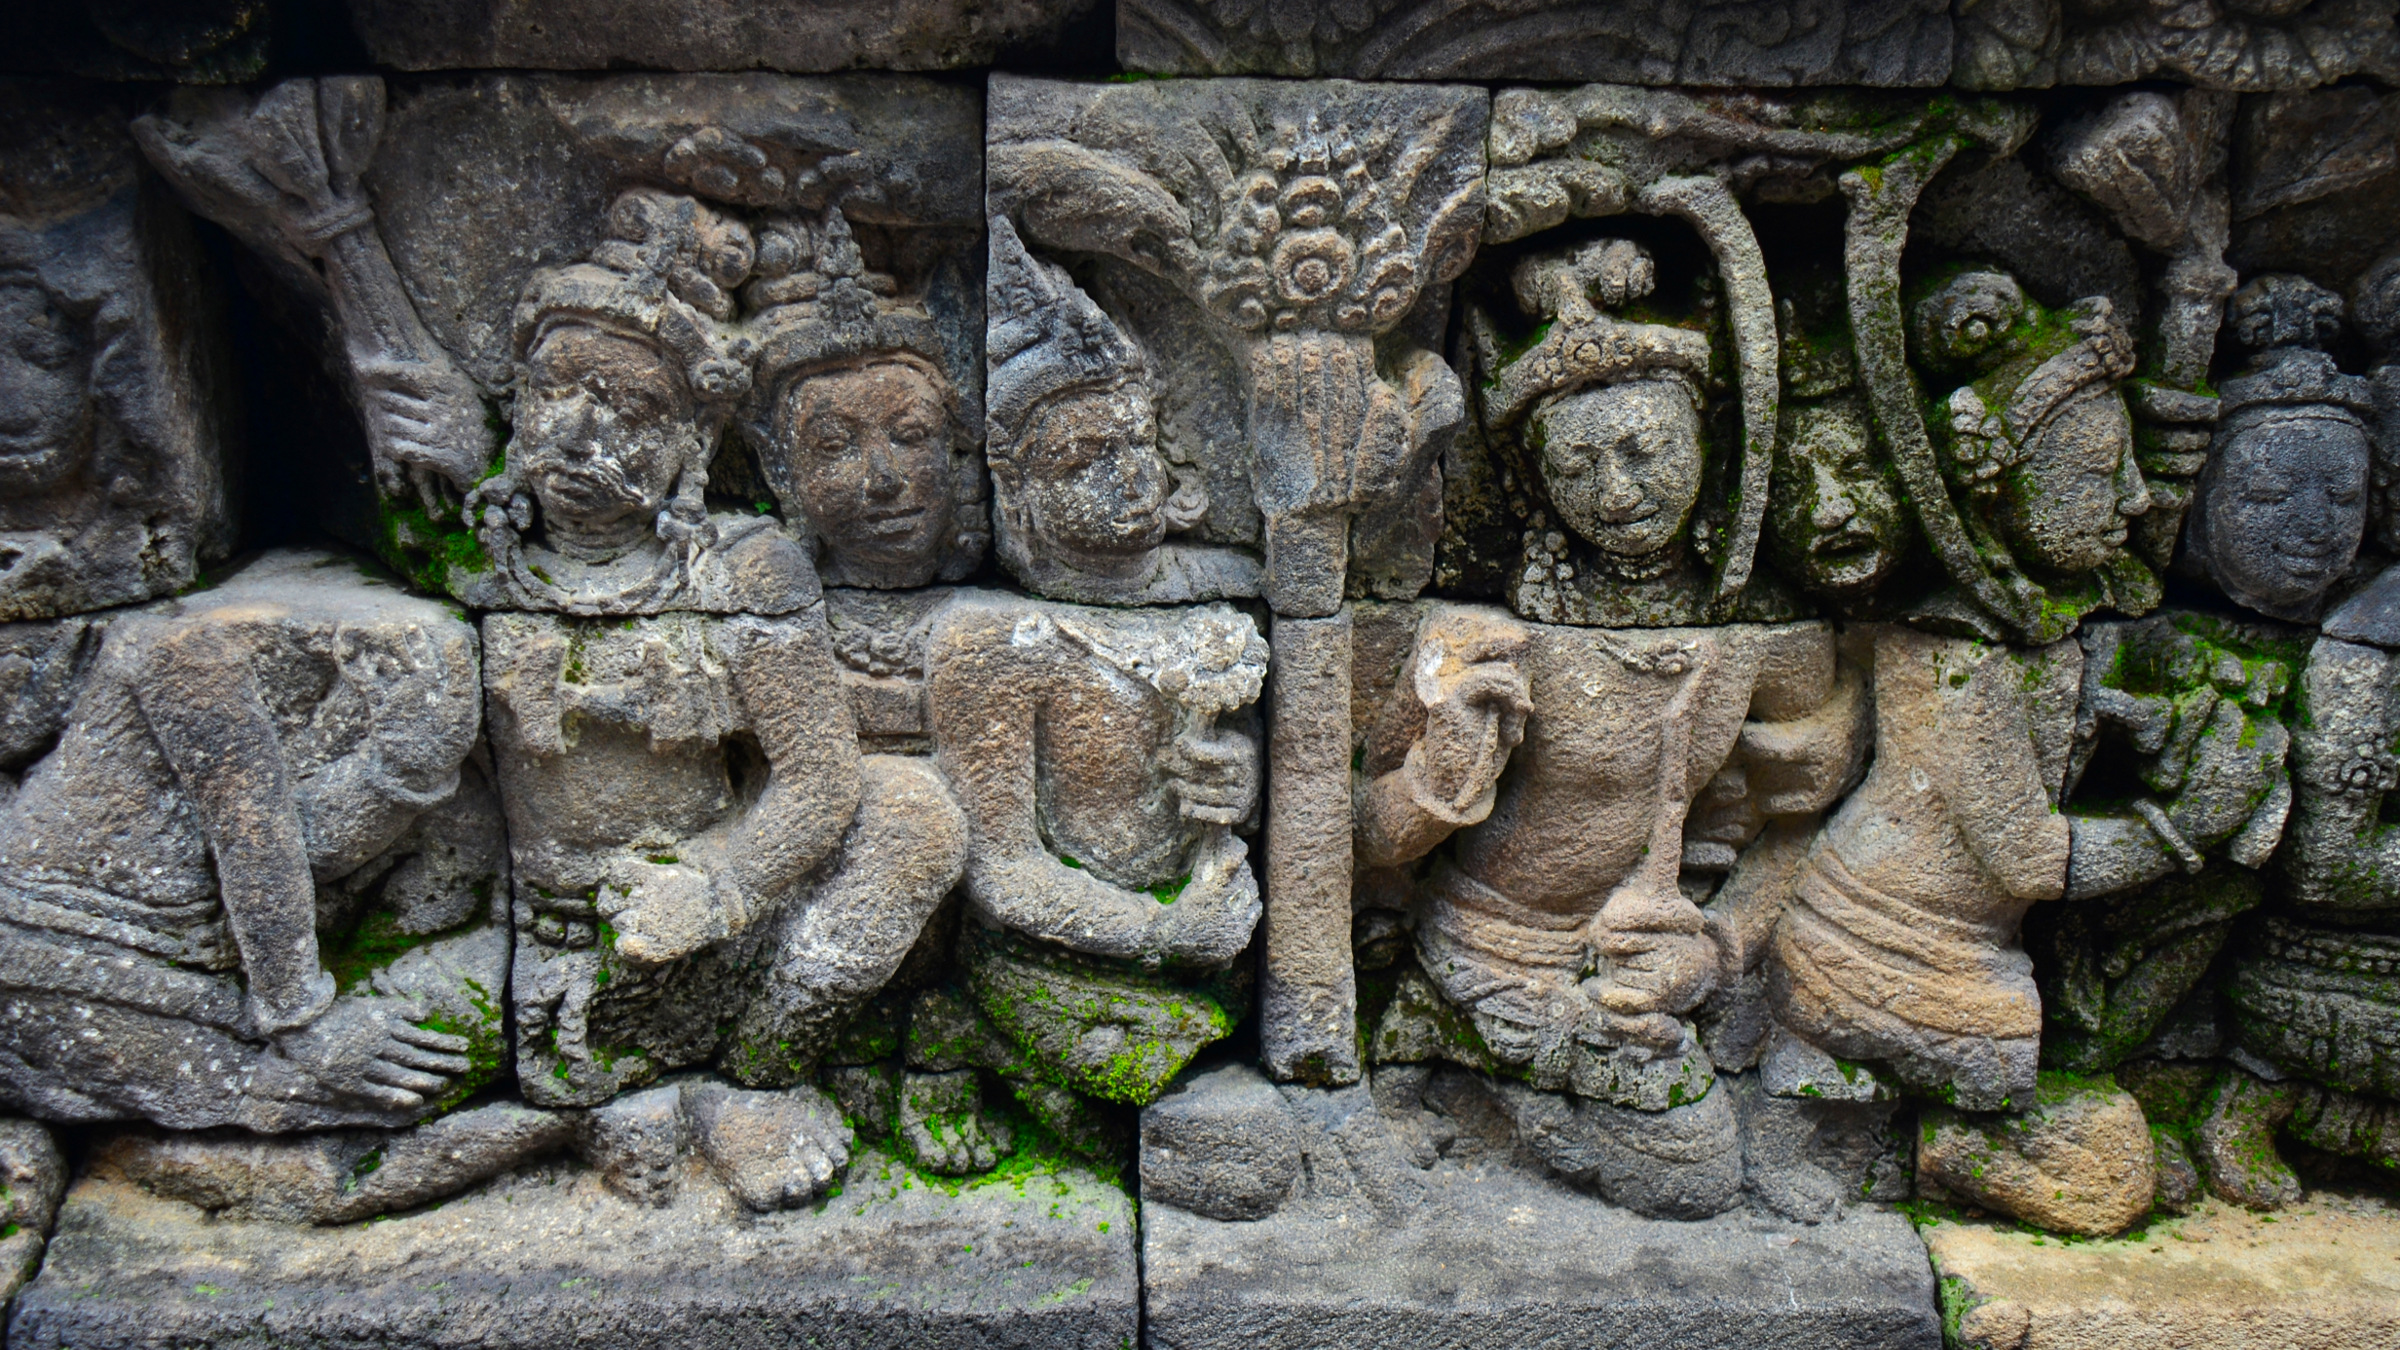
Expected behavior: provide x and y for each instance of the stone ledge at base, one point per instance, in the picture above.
(1500, 1258)
(548, 1258)
(2321, 1275)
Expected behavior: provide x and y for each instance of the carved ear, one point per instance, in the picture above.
(1069, 197)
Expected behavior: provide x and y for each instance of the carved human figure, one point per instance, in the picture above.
(111, 482)
(2283, 501)
(628, 371)
(1086, 502)
(1834, 523)
(708, 870)
(1900, 947)
(2176, 795)
(1298, 250)
(1105, 760)
(1609, 415)
(238, 774)
(2038, 445)
(1562, 764)
(857, 421)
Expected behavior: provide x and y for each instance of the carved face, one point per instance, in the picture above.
(2064, 506)
(1623, 463)
(1833, 515)
(44, 400)
(1091, 482)
(2285, 505)
(871, 457)
(603, 428)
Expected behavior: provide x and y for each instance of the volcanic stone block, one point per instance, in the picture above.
(2326, 1276)
(793, 35)
(1774, 44)
(551, 1258)
(1499, 1257)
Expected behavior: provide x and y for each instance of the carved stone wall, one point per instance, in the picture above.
(1552, 670)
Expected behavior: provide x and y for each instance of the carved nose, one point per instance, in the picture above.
(882, 479)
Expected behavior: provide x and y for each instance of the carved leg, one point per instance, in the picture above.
(904, 851)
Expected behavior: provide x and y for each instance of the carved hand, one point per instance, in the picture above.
(665, 910)
(1215, 776)
(425, 423)
(1210, 923)
(368, 1049)
(1474, 719)
(2234, 761)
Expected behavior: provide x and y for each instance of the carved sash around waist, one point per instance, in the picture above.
(1844, 939)
(192, 932)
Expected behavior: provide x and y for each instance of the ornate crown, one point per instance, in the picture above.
(1583, 346)
(1046, 339)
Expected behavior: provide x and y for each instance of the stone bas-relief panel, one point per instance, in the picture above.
(1901, 362)
(631, 344)
(114, 448)
(1972, 44)
(1263, 272)
(254, 878)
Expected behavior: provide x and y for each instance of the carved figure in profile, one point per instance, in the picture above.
(1086, 502)
(1563, 766)
(708, 870)
(1610, 416)
(2283, 502)
(259, 796)
(629, 369)
(1105, 760)
(860, 426)
(112, 486)
(2037, 452)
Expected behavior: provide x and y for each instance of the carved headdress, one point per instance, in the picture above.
(1971, 325)
(2286, 321)
(1583, 345)
(665, 276)
(816, 308)
(1047, 339)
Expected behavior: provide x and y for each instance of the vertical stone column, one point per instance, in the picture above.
(1308, 994)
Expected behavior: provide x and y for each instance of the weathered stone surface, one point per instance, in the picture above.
(773, 1150)
(33, 1176)
(1485, 1252)
(1221, 1144)
(2017, 45)
(2324, 1277)
(1105, 760)
(788, 35)
(1308, 992)
(254, 882)
(619, 270)
(1281, 250)
(1869, 42)
(665, 919)
(115, 447)
(2079, 1160)
(550, 1257)
(337, 1177)
(194, 42)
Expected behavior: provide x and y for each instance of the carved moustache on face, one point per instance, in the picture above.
(870, 455)
(1833, 518)
(605, 426)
